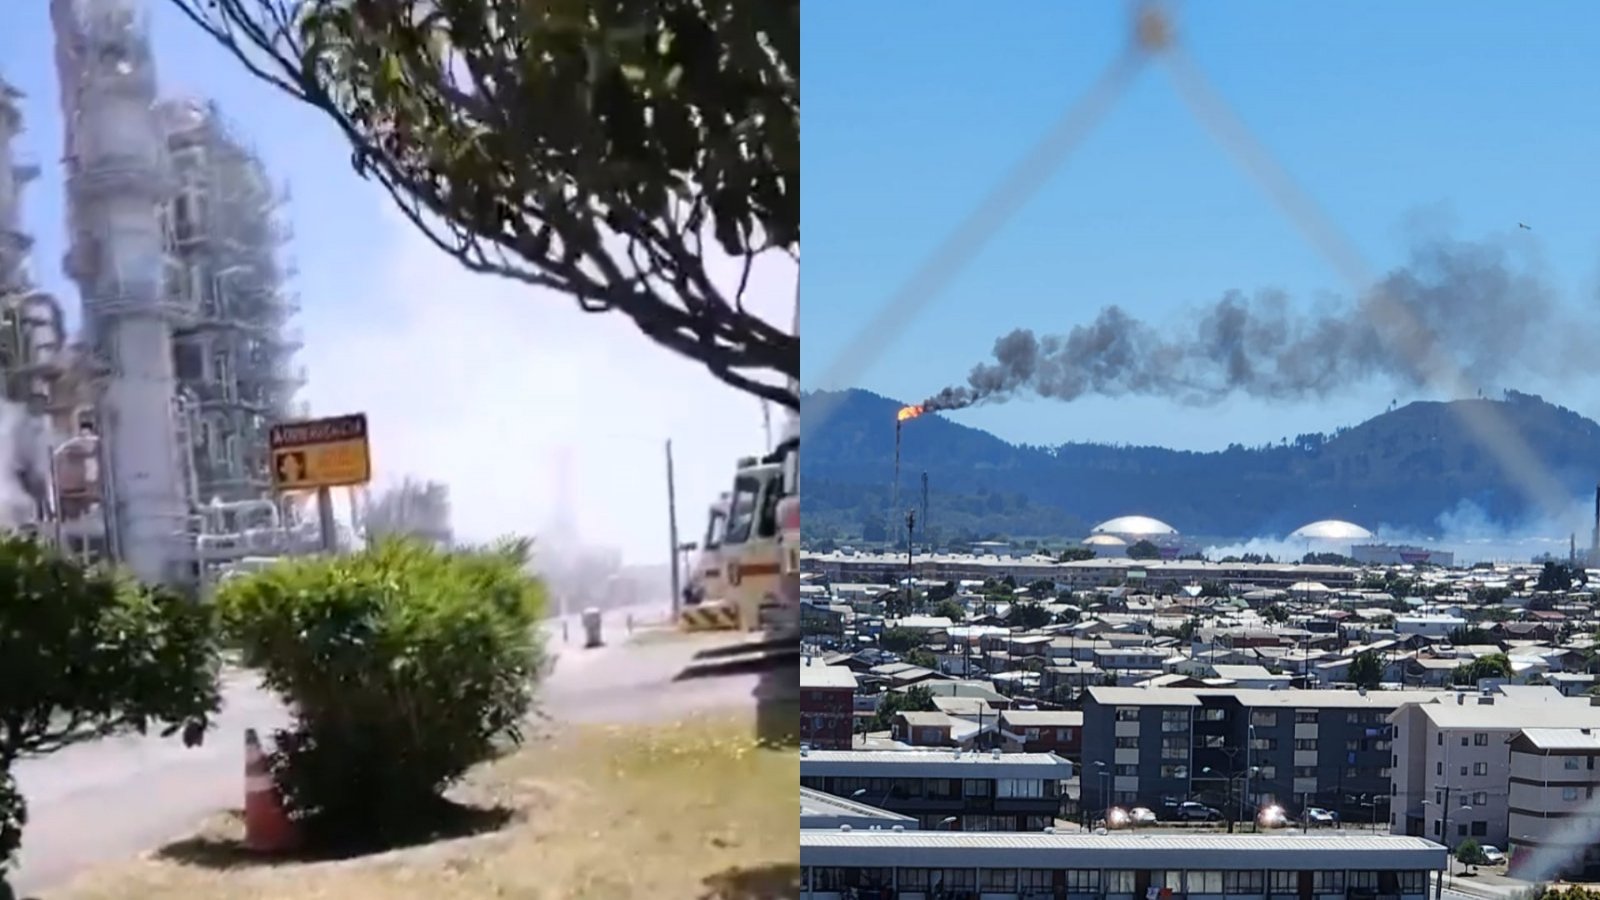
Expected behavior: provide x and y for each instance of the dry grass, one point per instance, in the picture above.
(692, 810)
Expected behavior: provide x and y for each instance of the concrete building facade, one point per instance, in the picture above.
(946, 790)
(1552, 811)
(1452, 760)
(1239, 750)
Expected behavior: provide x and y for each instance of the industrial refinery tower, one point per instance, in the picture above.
(117, 180)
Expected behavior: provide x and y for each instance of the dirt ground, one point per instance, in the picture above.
(695, 809)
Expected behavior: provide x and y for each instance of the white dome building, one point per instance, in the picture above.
(1130, 530)
(1331, 530)
(1134, 529)
(1106, 545)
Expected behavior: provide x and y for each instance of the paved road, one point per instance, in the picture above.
(105, 801)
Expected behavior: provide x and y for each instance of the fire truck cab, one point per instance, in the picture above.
(751, 548)
(706, 581)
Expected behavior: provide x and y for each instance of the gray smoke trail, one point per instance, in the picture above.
(1465, 300)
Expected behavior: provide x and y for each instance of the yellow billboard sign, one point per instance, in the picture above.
(320, 453)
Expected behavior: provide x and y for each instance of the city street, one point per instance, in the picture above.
(100, 802)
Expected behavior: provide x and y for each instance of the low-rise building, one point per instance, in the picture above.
(1044, 731)
(827, 706)
(922, 865)
(1452, 759)
(1552, 802)
(953, 790)
(1239, 749)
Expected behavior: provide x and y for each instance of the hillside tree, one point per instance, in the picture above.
(607, 151)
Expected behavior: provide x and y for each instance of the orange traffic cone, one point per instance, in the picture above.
(267, 828)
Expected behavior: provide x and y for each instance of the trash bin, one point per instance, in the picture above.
(591, 628)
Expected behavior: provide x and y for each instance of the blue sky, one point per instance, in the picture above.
(1469, 117)
(473, 381)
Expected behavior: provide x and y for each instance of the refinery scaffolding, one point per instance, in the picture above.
(154, 420)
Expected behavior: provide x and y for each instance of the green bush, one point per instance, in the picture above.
(85, 653)
(402, 666)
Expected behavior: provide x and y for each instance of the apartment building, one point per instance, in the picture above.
(827, 706)
(1452, 759)
(946, 790)
(1551, 820)
(1238, 749)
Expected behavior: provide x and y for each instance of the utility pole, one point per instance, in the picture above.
(911, 524)
(672, 534)
(325, 520)
(1444, 838)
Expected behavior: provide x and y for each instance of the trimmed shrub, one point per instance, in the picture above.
(86, 653)
(403, 666)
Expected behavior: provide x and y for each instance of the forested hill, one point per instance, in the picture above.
(1401, 469)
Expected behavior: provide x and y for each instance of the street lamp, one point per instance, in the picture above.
(947, 820)
(1105, 789)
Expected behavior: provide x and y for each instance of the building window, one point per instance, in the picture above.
(1266, 773)
(1305, 743)
(1363, 880)
(1441, 738)
(1481, 739)
(1481, 798)
(1463, 770)
(1167, 878)
(962, 879)
(1305, 771)
(1000, 879)
(1569, 794)
(1205, 882)
(1127, 770)
(1305, 717)
(1082, 881)
(1436, 827)
(1174, 771)
(1174, 720)
(912, 879)
(1019, 788)
(1127, 714)
(1480, 828)
(1064, 734)
(1174, 748)
(1263, 743)
(1480, 768)
(977, 787)
(1570, 763)
(1118, 881)
(1127, 743)
(1281, 882)
(1413, 881)
(1212, 714)
(1463, 740)
(1327, 881)
(1264, 719)
(1248, 882)
(1438, 768)
(1213, 741)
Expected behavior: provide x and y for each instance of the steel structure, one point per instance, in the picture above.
(143, 439)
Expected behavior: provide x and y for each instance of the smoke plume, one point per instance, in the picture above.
(1459, 302)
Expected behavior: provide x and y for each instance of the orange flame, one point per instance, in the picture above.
(908, 412)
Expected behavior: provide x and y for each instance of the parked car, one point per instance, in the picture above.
(1117, 817)
(1190, 811)
(1493, 856)
(1316, 815)
(1141, 816)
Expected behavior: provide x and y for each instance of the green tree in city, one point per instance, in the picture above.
(952, 610)
(1076, 554)
(1275, 613)
(597, 149)
(1470, 853)
(917, 698)
(403, 666)
(1366, 670)
(1144, 550)
(1495, 665)
(1028, 615)
(1554, 578)
(900, 640)
(86, 653)
(921, 656)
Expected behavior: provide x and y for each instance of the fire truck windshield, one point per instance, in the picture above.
(746, 491)
(714, 529)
